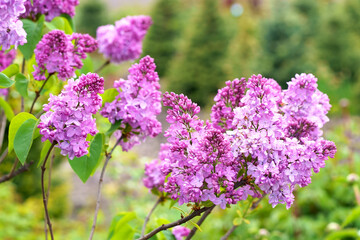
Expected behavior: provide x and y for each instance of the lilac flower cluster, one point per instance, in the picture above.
(50, 8)
(6, 58)
(272, 144)
(56, 53)
(137, 105)
(123, 41)
(11, 28)
(68, 118)
(180, 232)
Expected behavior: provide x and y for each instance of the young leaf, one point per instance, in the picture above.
(7, 109)
(5, 81)
(109, 95)
(113, 128)
(11, 70)
(354, 215)
(21, 84)
(195, 225)
(85, 165)
(33, 31)
(24, 139)
(60, 23)
(15, 124)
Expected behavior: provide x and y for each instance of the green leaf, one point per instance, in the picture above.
(5, 81)
(113, 128)
(15, 124)
(33, 31)
(180, 210)
(343, 234)
(237, 221)
(59, 23)
(85, 165)
(120, 229)
(44, 151)
(88, 65)
(354, 215)
(7, 109)
(24, 139)
(21, 84)
(70, 20)
(109, 95)
(195, 225)
(11, 70)
(168, 235)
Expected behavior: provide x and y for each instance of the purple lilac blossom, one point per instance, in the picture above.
(123, 41)
(6, 58)
(137, 104)
(11, 28)
(180, 232)
(68, 117)
(56, 53)
(273, 143)
(50, 8)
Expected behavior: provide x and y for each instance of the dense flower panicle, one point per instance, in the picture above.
(272, 143)
(180, 232)
(137, 105)
(50, 8)
(56, 53)
(226, 100)
(6, 58)
(123, 41)
(68, 117)
(11, 28)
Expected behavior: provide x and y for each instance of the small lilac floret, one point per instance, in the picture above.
(180, 232)
(68, 117)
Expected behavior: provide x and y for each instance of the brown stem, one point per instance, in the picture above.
(22, 169)
(228, 233)
(38, 92)
(22, 98)
(3, 155)
(43, 168)
(201, 220)
(102, 66)
(48, 191)
(99, 188)
(148, 216)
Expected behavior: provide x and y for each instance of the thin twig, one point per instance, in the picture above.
(108, 156)
(22, 71)
(102, 66)
(3, 155)
(17, 172)
(38, 92)
(160, 199)
(187, 218)
(201, 220)
(48, 190)
(43, 168)
(14, 167)
(2, 129)
(228, 233)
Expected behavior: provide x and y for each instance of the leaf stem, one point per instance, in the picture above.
(38, 92)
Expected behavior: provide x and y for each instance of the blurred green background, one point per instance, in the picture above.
(198, 45)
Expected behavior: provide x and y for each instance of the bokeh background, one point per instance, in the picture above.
(197, 46)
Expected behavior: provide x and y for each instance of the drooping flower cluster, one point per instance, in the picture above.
(68, 118)
(11, 28)
(273, 143)
(50, 8)
(56, 53)
(137, 105)
(180, 232)
(123, 41)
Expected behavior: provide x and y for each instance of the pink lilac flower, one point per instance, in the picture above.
(11, 28)
(50, 8)
(137, 104)
(180, 232)
(6, 58)
(68, 117)
(123, 41)
(273, 143)
(56, 53)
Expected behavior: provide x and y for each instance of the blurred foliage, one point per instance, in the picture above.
(160, 42)
(198, 70)
(91, 15)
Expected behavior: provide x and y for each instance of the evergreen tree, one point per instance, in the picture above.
(160, 42)
(198, 70)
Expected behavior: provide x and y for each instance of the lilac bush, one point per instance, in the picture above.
(272, 144)
(123, 41)
(69, 116)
